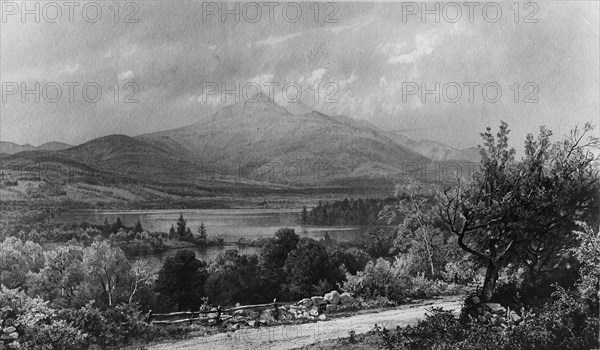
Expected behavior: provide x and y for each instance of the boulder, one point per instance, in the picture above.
(322, 317)
(317, 300)
(9, 330)
(314, 312)
(476, 300)
(252, 323)
(333, 297)
(481, 319)
(346, 298)
(330, 308)
(235, 326)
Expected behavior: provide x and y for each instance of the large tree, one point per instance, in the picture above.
(181, 280)
(515, 211)
(106, 267)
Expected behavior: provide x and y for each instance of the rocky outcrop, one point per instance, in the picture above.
(493, 314)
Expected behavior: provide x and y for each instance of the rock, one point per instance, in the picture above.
(330, 308)
(333, 297)
(476, 300)
(9, 330)
(14, 335)
(487, 314)
(318, 300)
(346, 298)
(235, 326)
(490, 306)
(305, 314)
(499, 311)
(306, 302)
(496, 329)
(314, 312)
(5, 338)
(479, 310)
(212, 322)
(322, 317)
(268, 316)
(514, 317)
(481, 319)
(253, 324)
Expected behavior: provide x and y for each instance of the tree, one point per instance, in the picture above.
(17, 258)
(235, 278)
(304, 215)
(202, 232)
(141, 275)
(273, 256)
(106, 266)
(306, 267)
(522, 209)
(138, 227)
(60, 279)
(117, 225)
(181, 281)
(181, 226)
(172, 232)
(417, 232)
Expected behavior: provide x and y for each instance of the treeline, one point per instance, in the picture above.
(355, 212)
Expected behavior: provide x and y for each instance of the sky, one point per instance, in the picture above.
(161, 65)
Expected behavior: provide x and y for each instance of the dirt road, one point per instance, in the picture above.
(295, 336)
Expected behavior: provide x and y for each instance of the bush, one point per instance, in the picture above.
(567, 323)
(378, 279)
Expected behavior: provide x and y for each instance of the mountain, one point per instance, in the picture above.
(12, 148)
(434, 150)
(53, 146)
(245, 144)
(262, 141)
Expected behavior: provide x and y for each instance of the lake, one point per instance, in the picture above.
(229, 224)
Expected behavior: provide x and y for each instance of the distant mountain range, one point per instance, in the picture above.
(12, 148)
(254, 143)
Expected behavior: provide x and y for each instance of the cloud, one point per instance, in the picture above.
(425, 44)
(126, 52)
(275, 40)
(354, 27)
(70, 69)
(316, 75)
(125, 75)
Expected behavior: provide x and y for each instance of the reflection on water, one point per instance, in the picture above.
(229, 224)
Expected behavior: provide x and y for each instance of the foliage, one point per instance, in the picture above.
(107, 268)
(234, 278)
(523, 212)
(588, 253)
(361, 212)
(16, 259)
(307, 266)
(180, 282)
(565, 323)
